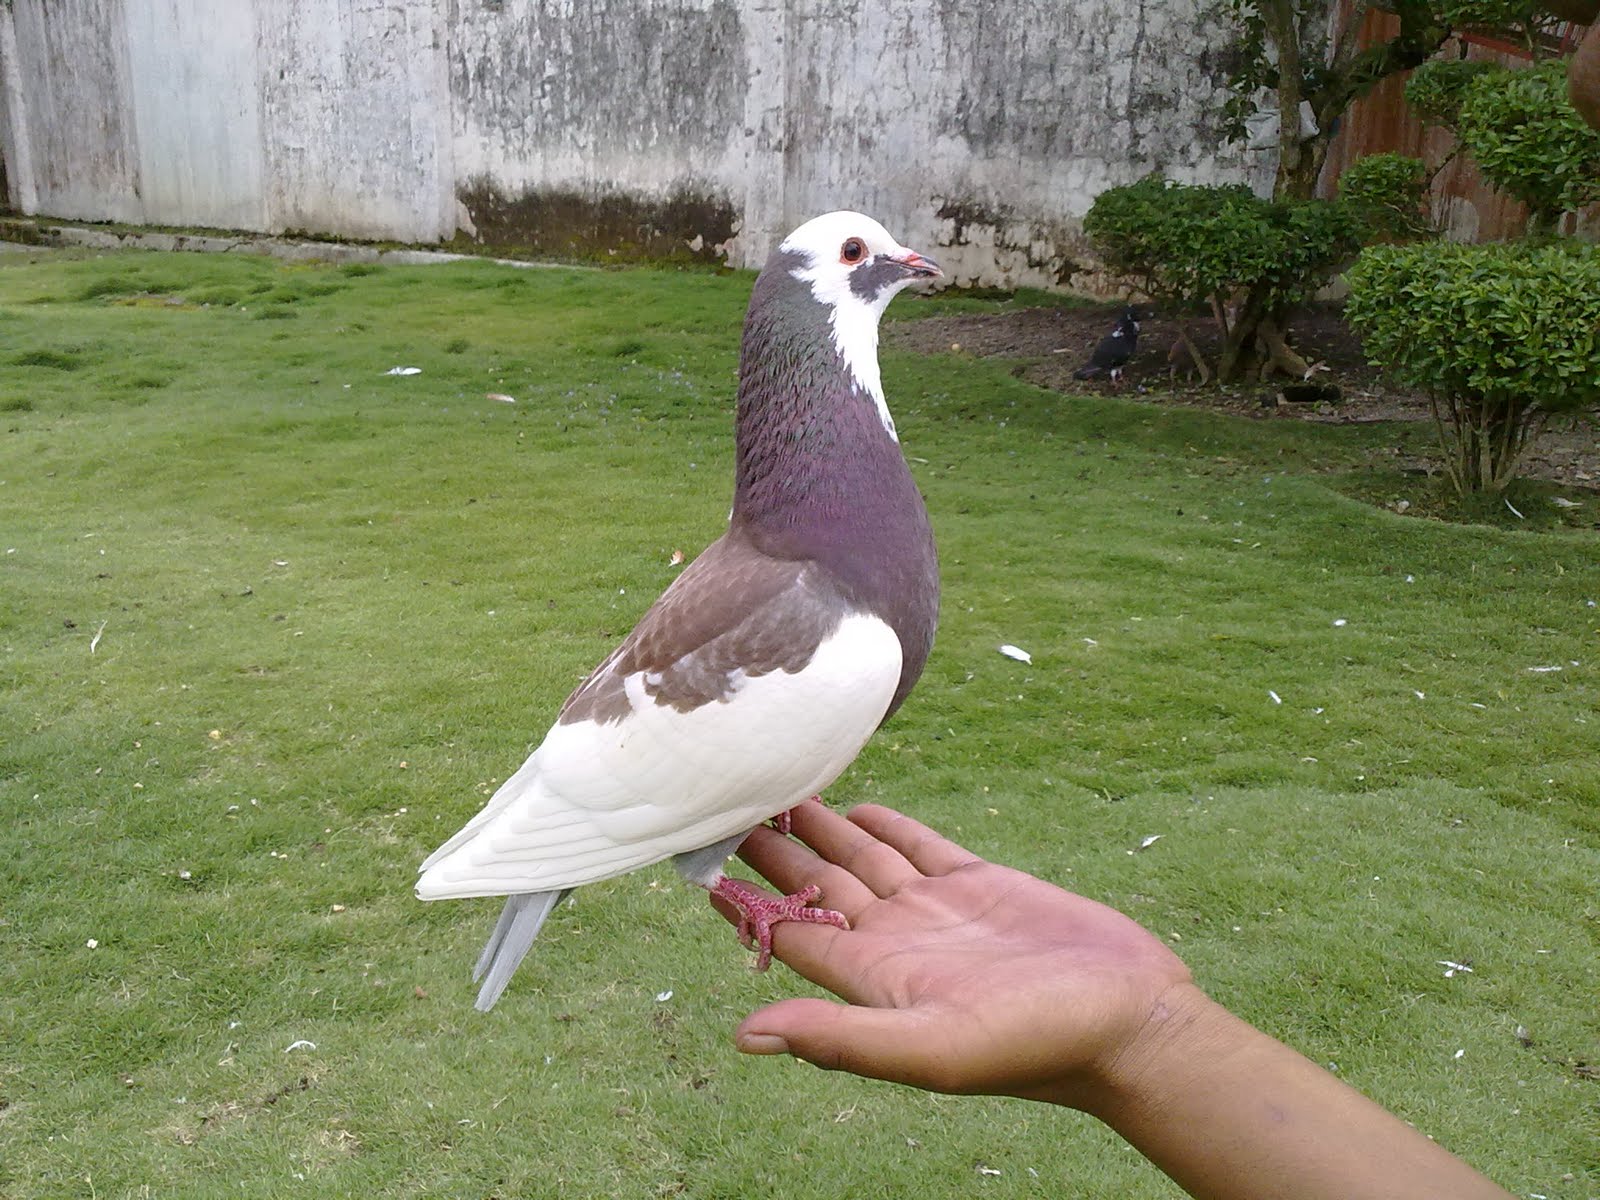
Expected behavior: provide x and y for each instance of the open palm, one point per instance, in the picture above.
(959, 975)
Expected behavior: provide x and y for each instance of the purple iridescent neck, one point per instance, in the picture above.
(817, 474)
(810, 444)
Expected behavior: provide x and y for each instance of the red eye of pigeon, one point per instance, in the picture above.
(853, 251)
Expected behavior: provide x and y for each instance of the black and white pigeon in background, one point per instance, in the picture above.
(1114, 350)
(764, 668)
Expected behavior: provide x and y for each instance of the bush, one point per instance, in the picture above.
(1519, 19)
(1177, 242)
(1436, 88)
(1309, 241)
(1388, 194)
(1529, 141)
(1198, 246)
(1500, 337)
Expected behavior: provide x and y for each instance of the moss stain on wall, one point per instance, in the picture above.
(687, 225)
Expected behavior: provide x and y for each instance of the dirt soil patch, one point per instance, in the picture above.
(1048, 344)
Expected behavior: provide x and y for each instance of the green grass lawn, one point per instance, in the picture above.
(273, 623)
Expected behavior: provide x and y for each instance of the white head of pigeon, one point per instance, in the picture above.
(759, 674)
(855, 268)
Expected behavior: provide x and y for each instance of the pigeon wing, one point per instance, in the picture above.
(749, 685)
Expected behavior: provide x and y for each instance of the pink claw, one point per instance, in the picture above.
(759, 912)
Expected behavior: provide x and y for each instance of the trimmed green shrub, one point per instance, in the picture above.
(1500, 337)
(1529, 141)
(1436, 88)
(1518, 19)
(1311, 241)
(1388, 194)
(1179, 243)
(1216, 248)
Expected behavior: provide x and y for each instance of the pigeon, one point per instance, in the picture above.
(1114, 350)
(761, 672)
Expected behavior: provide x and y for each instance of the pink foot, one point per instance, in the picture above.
(759, 912)
(784, 821)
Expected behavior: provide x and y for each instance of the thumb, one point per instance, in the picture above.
(878, 1043)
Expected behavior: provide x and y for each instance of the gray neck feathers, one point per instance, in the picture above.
(817, 475)
(807, 437)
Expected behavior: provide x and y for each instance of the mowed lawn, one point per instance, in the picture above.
(274, 622)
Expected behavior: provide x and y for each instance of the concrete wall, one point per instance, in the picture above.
(981, 130)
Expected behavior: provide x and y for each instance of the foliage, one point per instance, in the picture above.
(1519, 20)
(1196, 243)
(1311, 241)
(1182, 243)
(1500, 336)
(1198, 246)
(1529, 141)
(1388, 194)
(1437, 88)
(1282, 62)
(1253, 68)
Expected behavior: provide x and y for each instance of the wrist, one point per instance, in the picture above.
(1226, 1110)
(1184, 1036)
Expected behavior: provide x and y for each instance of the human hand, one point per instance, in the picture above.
(959, 975)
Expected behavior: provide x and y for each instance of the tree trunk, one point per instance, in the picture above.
(1239, 340)
(1283, 32)
(1330, 88)
(1279, 356)
(1185, 345)
(1484, 440)
(1583, 77)
(1447, 443)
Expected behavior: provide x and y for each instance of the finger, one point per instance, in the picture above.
(929, 852)
(878, 1043)
(880, 866)
(790, 866)
(727, 911)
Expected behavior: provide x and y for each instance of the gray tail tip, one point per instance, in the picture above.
(512, 937)
(489, 994)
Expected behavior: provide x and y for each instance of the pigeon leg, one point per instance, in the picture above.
(784, 821)
(759, 912)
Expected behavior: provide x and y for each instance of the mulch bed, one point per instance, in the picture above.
(1048, 344)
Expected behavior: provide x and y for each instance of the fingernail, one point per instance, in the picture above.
(761, 1043)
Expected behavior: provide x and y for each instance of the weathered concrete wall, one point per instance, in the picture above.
(988, 129)
(195, 114)
(70, 145)
(615, 125)
(981, 130)
(356, 134)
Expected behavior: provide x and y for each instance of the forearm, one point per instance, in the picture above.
(1231, 1114)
